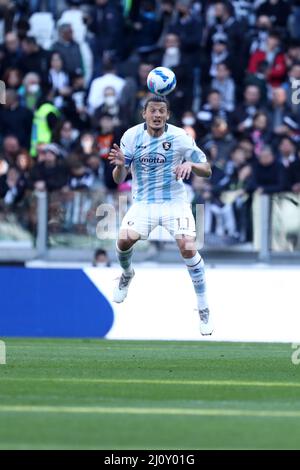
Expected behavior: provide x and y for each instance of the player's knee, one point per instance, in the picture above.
(188, 253)
(126, 240)
(187, 247)
(124, 245)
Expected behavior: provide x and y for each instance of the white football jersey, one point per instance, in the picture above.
(153, 160)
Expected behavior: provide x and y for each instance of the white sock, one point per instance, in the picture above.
(125, 258)
(196, 270)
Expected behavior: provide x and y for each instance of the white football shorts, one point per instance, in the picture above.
(176, 217)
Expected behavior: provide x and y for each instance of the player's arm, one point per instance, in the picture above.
(201, 169)
(184, 170)
(117, 158)
(195, 161)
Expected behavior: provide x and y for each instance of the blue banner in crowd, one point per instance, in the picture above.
(52, 303)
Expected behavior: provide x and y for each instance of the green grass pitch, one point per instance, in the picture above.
(87, 394)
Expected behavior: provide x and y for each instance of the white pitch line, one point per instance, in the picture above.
(229, 383)
(149, 411)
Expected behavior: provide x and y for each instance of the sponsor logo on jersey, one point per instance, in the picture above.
(152, 159)
(166, 145)
(130, 222)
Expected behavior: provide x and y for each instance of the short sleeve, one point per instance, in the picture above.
(126, 147)
(191, 152)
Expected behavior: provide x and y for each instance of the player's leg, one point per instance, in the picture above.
(180, 223)
(196, 269)
(124, 252)
(135, 226)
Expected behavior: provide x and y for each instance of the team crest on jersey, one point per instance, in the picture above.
(166, 145)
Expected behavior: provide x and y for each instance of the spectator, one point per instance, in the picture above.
(286, 152)
(246, 144)
(292, 89)
(107, 136)
(277, 10)
(242, 116)
(286, 156)
(267, 174)
(75, 17)
(68, 49)
(87, 145)
(171, 56)
(189, 124)
(11, 148)
(65, 137)
(15, 119)
(111, 106)
(110, 78)
(259, 132)
(11, 188)
(219, 54)
(44, 122)
(51, 173)
(12, 77)
(94, 163)
(292, 54)
(279, 111)
(220, 141)
(101, 259)
(147, 27)
(141, 89)
(211, 110)
(35, 5)
(188, 28)
(225, 23)
(257, 39)
(74, 103)
(237, 175)
(81, 177)
(274, 58)
(34, 59)
(30, 93)
(225, 85)
(107, 25)
(58, 79)
(293, 175)
(12, 52)
(259, 79)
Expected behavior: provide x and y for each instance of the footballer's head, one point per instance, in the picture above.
(156, 112)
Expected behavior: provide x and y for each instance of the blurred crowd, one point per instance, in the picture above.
(75, 75)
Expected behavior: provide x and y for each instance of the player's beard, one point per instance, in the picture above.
(157, 128)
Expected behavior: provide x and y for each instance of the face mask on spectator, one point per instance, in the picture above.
(263, 29)
(188, 121)
(173, 50)
(33, 88)
(110, 100)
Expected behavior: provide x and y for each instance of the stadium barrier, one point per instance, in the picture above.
(77, 303)
(52, 303)
(66, 225)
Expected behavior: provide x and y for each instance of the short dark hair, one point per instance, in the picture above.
(30, 40)
(157, 99)
(100, 252)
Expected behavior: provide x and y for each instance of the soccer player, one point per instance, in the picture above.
(160, 156)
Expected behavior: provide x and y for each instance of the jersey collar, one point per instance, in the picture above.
(166, 127)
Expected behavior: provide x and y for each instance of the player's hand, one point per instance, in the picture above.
(116, 156)
(183, 171)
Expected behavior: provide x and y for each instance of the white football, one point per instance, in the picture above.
(161, 81)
